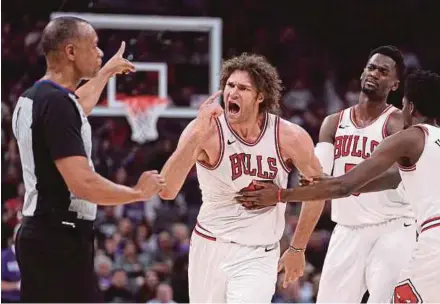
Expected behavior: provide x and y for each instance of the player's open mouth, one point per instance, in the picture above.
(370, 83)
(233, 108)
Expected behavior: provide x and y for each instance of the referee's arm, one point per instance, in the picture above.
(62, 128)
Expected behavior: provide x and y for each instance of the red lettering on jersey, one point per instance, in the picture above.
(356, 152)
(365, 154)
(354, 145)
(346, 146)
(247, 165)
(241, 164)
(338, 144)
(237, 171)
(272, 167)
(373, 145)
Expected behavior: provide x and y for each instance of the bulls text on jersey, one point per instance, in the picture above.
(354, 145)
(241, 163)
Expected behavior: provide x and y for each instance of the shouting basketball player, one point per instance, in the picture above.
(416, 150)
(374, 235)
(234, 251)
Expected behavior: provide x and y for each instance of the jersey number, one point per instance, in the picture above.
(347, 168)
(406, 293)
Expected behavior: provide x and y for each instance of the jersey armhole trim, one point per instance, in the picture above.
(277, 145)
(385, 125)
(405, 168)
(222, 149)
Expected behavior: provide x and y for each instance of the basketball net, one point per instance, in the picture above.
(142, 115)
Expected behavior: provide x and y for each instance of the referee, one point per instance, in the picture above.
(55, 241)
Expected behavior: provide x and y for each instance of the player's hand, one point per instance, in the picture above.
(304, 181)
(209, 110)
(150, 183)
(118, 64)
(293, 263)
(267, 195)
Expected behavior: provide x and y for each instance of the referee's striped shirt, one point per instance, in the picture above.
(49, 124)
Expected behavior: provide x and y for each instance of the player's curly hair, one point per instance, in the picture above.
(264, 76)
(422, 87)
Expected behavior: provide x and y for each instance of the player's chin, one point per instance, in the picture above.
(368, 90)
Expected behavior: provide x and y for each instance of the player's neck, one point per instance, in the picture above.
(368, 107)
(250, 129)
(425, 120)
(63, 75)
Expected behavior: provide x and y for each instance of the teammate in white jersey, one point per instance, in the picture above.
(361, 255)
(416, 150)
(234, 252)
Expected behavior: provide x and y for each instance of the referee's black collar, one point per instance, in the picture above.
(66, 90)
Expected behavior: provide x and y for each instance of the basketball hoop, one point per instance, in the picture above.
(142, 114)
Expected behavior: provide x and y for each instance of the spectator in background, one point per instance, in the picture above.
(145, 239)
(164, 256)
(132, 261)
(147, 290)
(181, 238)
(10, 274)
(103, 269)
(164, 295)
(118, 292)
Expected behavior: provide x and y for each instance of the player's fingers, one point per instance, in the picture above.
(261, 184)
(246, 200)
(248, 205)
(211, 98)
(121, 50)
(129, 66)
(217, 111)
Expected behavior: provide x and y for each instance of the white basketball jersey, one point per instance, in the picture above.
(352, 145)
(240, 163)
(422, 186)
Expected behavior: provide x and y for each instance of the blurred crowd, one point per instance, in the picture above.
(142, 249)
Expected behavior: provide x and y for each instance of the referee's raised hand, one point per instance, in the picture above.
(149, 183)
(118, 64)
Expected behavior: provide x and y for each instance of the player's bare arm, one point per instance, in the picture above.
(90, 92)
(195, 144)
(87, 184)
(404, 147)
(386, 181)
(297, 146)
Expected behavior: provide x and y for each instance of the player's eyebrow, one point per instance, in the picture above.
(248, 86)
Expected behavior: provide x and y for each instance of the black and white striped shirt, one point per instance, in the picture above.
(49, 124)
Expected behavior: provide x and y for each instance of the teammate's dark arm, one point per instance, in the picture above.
(400, 145)
(390, 179)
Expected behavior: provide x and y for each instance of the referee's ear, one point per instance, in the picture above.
(70, 51)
